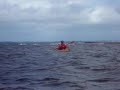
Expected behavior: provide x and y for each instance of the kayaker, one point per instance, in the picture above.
(63, 46)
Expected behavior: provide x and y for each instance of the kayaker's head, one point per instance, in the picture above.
(62, 42)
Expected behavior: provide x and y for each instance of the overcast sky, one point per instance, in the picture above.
(54, 20)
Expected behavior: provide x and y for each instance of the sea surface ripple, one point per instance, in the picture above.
(38, 66)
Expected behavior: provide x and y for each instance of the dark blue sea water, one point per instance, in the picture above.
(37, 66)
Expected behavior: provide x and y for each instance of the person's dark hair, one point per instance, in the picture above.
(62, 42)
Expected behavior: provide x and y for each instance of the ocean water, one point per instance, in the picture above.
(38, 66)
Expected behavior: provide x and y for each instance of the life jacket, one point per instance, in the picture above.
(62, 46)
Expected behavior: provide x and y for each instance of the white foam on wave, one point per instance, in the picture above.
(22, 44)
(54, 43)
(35, 44)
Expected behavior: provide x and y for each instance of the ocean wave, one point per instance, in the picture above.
(87, 66)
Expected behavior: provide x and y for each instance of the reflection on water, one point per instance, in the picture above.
(39, 67)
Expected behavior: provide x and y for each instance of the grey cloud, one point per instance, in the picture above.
(79, 11)
(59, 19)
